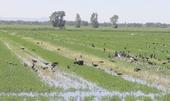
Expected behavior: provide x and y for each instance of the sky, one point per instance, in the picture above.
(129, 11)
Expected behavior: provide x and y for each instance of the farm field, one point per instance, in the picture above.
(130, 64)
(13, 75)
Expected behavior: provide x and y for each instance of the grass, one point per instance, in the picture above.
(133, 98)
(15, 77)
(137, 41)
(137, 44)
(112, 98)
(112, 83)
(23, 98)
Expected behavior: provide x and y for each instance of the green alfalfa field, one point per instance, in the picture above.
(143, 54)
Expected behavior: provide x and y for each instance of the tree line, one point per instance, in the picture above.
(57, 20)
(86, 23)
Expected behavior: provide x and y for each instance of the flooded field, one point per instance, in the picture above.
(72, 69)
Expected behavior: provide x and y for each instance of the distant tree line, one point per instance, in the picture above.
(54, 19)
(86, 23)
(150, 24)
(57, 20)
(73, 23)
(10, 22)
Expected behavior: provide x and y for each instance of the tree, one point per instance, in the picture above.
(114, 21)
(78, 21)
(94, 20)
(57, 19)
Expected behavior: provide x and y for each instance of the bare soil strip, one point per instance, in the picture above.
(151, 80)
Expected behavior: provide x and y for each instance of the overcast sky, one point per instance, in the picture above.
(128, 10)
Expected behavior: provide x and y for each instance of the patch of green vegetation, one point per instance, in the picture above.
(26, 98)
(14, 77)
(89, 98)
(39, 98)
(11, 98)
(111, 98)
(164, 98)
(133, 98)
